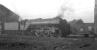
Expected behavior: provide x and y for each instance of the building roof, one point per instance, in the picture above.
(89, 24)
(7, 14)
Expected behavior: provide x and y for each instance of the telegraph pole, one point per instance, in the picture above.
(95, 17)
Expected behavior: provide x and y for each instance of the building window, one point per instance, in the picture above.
(89, 28)
(81, 29)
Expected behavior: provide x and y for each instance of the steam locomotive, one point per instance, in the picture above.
(55, 27)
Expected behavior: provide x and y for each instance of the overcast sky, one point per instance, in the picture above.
(31, 9)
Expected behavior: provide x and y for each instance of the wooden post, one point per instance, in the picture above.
(2, 24)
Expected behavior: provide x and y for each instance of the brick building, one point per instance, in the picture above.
(8, 19)
(81, 27)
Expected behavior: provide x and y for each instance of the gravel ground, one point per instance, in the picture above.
(75, 46)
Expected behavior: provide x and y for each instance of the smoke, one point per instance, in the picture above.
(66, 12)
